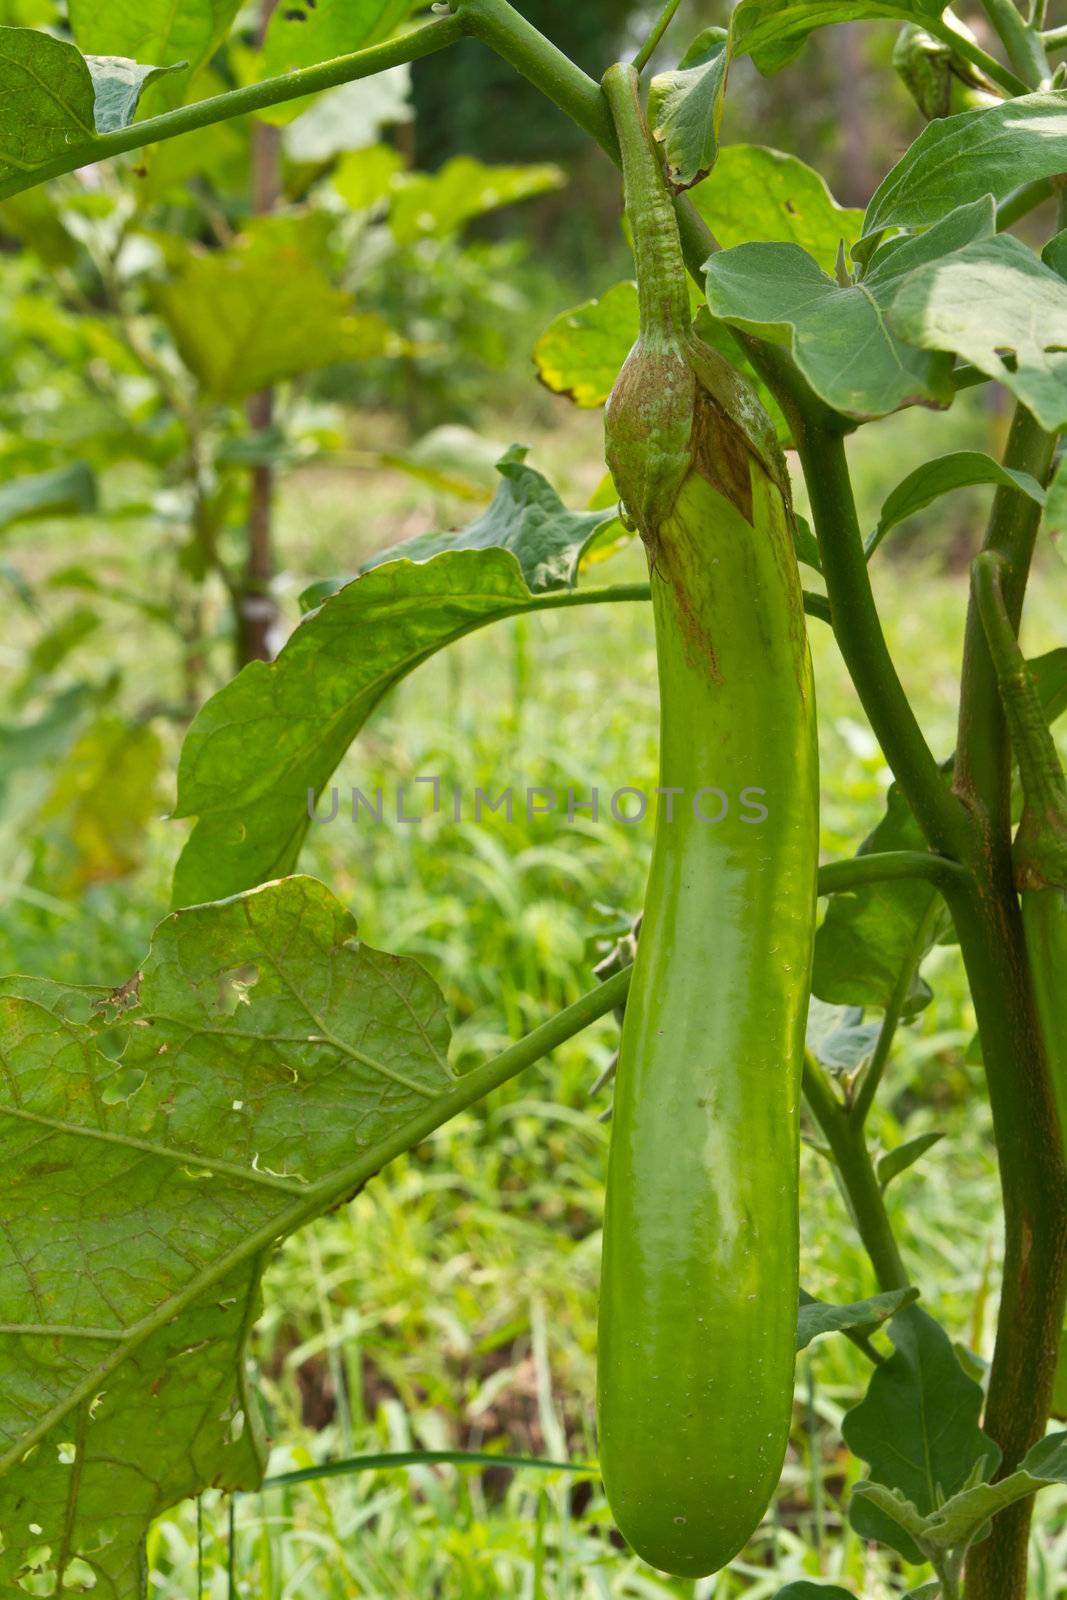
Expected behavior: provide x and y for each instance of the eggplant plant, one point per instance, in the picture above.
(159, 1138)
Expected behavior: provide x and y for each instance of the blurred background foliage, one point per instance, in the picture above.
(242, 362)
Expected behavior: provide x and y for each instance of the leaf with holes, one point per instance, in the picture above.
(276, 733)
(269, 1055)
(756, 194)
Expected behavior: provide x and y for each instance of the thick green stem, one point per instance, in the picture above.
(1044, 787)
(1023, 43)
(1021, 201)
(855, 1171)
(663, 293)
(971, 51)
(858, 629)
(983, 760)
(240, 102)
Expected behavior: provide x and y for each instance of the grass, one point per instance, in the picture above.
(451, 1306)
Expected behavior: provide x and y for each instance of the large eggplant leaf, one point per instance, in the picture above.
(46, 99)
(275, 734)
(756, 194)
(956, 160)
(996, 305)
(838, 333)
(271, 1062)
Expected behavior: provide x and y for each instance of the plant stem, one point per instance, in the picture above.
(1054, 39)
(1022, 43)
(858, 629)
(886, 866)
(867, 1088)
(858, 1179)
(651, 44)
(1021, 201)
(972, 52)
(239, 102)
(983, 759)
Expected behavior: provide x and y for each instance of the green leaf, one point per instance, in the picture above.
(270, 1054)
(119, 84)
(774, 31)
(363, 178)
(309, 31)
(527, 517)
(276, 732)
(869, 934)
(581, 352)
(304, 32)
(46, 100)
(64, 492)
(964, 1518)
(899, 1521)
(838, 333)
(685, 108)
(102, 798)
(759, 194)
(894, 1162)
(917, 1428)
(816, 1317)
(154, 30)
(956, 160)
(961, 469)
(813, 1591)
(838, 1037)
(436, 205)
(263, 310)
(997, 306)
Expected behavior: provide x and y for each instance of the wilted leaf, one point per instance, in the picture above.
(816, 1317)
(760, 195)
(581, 352)
(119, 85)
(271, 1059)
(685, 108)
(838, 1037)
(276, 732)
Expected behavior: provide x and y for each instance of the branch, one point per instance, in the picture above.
(887, 866)
(1024, 46)
(239, 102)
(855, 1171)
(651, 44)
